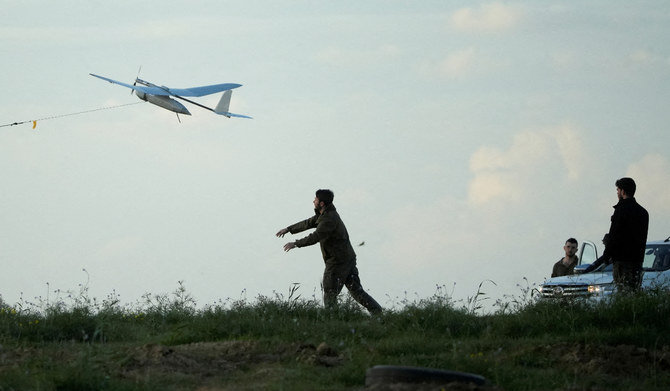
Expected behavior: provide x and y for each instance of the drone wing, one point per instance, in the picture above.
(145, 89)
(165, 91)
(204, 90)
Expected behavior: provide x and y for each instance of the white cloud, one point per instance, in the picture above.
(571, 151)
(652, 176)
(641, 57)
(492, 17)
(502, 174)
(504, 186)
(487, 186)
(456, 65)
(646, 58)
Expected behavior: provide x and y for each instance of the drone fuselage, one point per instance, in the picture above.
(164, 102)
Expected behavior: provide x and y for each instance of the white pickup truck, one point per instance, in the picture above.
(600, 282)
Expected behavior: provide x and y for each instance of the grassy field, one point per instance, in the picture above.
(287, 342)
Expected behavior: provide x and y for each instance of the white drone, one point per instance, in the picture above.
(160, 96)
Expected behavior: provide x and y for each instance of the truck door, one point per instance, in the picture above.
(588, 253)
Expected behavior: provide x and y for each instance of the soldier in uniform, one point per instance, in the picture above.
(338, 253)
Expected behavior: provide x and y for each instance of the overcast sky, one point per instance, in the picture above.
(465, 141)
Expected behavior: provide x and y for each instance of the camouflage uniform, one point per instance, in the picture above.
(338, 255)
(561, 269)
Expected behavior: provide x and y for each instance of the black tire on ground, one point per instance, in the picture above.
(390, 374)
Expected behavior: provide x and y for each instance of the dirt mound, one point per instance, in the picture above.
(319, 355)
(203, 358)
(608, 360)
(212, 364)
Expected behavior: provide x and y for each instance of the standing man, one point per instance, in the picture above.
(627, 237)
(566, 265)
(338, 254)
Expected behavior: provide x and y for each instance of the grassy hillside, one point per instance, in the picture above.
(165, 342)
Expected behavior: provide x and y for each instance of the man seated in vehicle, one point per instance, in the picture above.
(566, 265)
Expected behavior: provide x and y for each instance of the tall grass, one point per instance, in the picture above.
(78, 318)
(434, 332)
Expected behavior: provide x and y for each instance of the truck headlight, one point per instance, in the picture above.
(600, 289)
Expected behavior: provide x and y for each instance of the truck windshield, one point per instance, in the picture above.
(657, 257)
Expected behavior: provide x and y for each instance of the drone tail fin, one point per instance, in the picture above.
(224, 105)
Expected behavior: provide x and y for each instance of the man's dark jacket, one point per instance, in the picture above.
(628, 233)
(330, 233)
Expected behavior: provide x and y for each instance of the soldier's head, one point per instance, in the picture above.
(324, 195)
(625, 187)
(571, 247)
